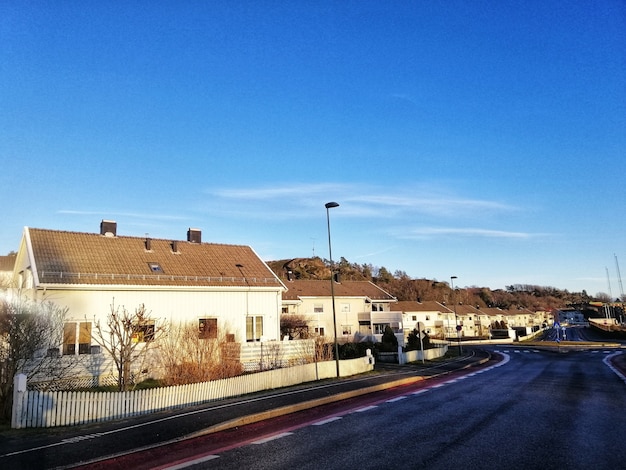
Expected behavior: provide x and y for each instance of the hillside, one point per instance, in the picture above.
(400, 285)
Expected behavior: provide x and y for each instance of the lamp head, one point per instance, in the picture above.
(330, 205)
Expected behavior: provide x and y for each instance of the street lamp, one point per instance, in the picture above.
(330, 205)
(456, 319)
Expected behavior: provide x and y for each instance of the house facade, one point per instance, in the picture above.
(429, 316)
(223, 289)
(362, 309)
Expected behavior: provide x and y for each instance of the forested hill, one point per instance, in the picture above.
(403, 287)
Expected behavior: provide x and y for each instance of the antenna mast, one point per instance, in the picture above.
(608, 281)
(619, 279)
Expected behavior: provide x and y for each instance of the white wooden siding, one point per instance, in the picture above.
(230, 307)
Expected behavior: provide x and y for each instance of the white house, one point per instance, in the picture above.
(436, 319)
(362, 309)
(224, 289)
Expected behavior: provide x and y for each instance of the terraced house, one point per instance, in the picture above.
(362, 309)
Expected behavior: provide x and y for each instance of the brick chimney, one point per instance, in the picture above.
(108, 228)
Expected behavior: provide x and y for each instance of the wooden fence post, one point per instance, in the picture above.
(19, 389)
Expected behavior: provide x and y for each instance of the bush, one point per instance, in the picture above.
(389, 341)
(413, 341)
(354, 350)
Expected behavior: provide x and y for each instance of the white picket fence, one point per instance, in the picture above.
(32, 408)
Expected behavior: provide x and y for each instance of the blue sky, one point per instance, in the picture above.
(481, 139)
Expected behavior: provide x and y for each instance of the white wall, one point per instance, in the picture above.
(229, 307)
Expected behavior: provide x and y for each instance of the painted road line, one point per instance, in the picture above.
(189, 463)
(272, 438)
(367, 408)
(326, 421)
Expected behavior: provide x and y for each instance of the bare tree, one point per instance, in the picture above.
(30, 335)
(294, 326)
(128, 337)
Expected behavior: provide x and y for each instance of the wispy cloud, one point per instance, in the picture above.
(135, 215)
(277, 192)
(439, 204)
(464, 232)
(374, 253)
(356, 201)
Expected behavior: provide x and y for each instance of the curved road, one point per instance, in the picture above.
(526, 408)
(533, 409)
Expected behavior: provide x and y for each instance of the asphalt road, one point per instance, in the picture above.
(69, 447)
(536, 410)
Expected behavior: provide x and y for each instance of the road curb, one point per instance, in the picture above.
(285, 410)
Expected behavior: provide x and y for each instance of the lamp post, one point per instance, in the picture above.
(330, 205)
(456, 318)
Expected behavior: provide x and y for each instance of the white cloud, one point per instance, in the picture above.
(356, 201)
(464, 232)
(106, 214)
(277, 192)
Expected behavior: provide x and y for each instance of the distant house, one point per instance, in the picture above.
(362, 309)
(224, 289)
(436, 319)
(7, 263)
(468, 319)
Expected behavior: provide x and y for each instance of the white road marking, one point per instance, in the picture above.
(272, 438)
(326, 421)
(367, 408)
(396, 399)
(206, 458)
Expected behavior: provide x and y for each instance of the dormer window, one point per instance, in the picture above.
(155, 268)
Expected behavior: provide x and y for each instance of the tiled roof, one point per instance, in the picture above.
(424, 306)
(493, 311)
(316, 288)
(87, 258)
(464, 309)
(7, 262)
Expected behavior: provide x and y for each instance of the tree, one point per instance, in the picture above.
(389, 340)
(413, 341)
(294, 326)
(128, 338)
(383, 276)
(30, 335)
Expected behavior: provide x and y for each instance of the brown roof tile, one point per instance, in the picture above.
(316, 288)
(7, 262)
(424, 306)
(86, 258)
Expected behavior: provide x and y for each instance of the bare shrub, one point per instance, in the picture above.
(323, 349)
(187, 356)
